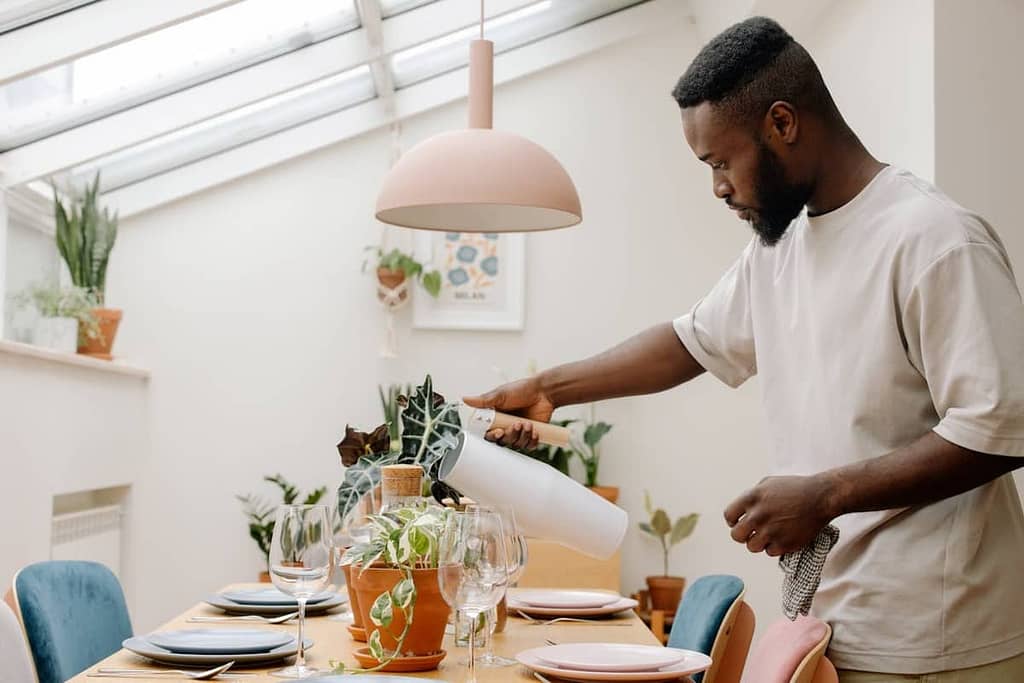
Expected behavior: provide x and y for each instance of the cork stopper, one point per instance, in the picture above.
(401, 480)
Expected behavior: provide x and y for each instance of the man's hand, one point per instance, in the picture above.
(525, 397)
(781, 514)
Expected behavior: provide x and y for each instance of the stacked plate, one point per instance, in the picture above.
(270, 602)
(211, 647)
(613, 662)
(567, 603)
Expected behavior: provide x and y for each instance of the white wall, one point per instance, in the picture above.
(247, 303)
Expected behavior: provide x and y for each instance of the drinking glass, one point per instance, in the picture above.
(516, 555)
(473, 567)
(300, 565)
(354, 529)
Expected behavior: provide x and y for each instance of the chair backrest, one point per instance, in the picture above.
(825, 672)
(788, 652)
(73, 613)
(727, 661)
(15, 665)
(705, 617)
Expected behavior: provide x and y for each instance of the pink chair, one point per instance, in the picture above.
(792, 652)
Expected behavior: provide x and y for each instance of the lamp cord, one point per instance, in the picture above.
(481, 19)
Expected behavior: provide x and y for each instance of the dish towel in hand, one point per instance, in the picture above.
(802, 570)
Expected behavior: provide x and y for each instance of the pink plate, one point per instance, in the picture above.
(691, 663)
(565, 599)
(618, 606)
(611, 656)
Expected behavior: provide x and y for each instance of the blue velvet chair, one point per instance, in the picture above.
(713, 618)
(74, 615)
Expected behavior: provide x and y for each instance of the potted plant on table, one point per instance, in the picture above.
(394, 267)
(399, 597)
(666, 590)
(62, 312)
(261, 514)
(85, 236)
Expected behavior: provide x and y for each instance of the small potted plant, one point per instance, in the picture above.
(395, 267)
(666, 590)
(85, 237)
(63, 314)
(399, 597)
(587, 451)
(260, 514)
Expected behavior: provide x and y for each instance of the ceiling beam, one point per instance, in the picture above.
(372, 21)
(411, 101)
(89, 29)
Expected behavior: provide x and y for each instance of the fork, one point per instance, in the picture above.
(594, 622)
(249, 617)
(159, 673)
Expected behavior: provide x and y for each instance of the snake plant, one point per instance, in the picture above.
(85, 237)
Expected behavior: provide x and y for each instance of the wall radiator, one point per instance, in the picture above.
(93, 534)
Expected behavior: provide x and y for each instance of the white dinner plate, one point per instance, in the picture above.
(691, 663)
(271, 596)
(611, 656)
(622, 604)
(143, 647)
(232, 607)
(226, 641)
(564, 599)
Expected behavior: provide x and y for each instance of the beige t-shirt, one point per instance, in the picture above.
(893, 315)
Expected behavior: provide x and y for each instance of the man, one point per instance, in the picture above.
(887, 329)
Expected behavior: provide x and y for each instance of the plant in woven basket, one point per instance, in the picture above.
(394, 266)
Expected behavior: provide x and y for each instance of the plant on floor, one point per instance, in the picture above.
(558, 457)
(428, 427)
(406, 540)
(396, 261)
(668, 534)
(260, 513)
(85, 237)
(587, 449)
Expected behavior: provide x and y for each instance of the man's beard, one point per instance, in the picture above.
(778, 202)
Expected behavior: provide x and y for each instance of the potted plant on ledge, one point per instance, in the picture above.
(85, 237)
(666, 590)
(63, 313)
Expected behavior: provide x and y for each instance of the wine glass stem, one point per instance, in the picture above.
(472, 648)
(490, 622)
(300, 658)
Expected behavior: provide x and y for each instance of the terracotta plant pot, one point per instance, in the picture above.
(430, 616)
(391, 279)
(609, 493)
(353, 598)
(108, 320)
(665, 592)
(265, 577)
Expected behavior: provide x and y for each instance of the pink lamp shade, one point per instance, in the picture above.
(479, 179)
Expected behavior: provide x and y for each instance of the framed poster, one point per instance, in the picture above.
(482, 281)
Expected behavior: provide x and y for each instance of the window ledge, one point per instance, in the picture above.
(49, 355)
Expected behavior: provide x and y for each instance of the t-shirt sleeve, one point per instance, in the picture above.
(964, 325)
(718, 331)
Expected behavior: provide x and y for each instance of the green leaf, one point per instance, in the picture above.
(683, 528)
(646, 528)
(360, 479)
(404, 594)
(382, 611)
(432, 283)
(647, 504)
(595, 432)
(376, 649)
(661, 523)
(430, 426)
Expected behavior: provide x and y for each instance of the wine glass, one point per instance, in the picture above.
(353, 529)
(300, 565)
(516, 555)
(472, 567)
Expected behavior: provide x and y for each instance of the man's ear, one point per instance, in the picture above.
(781, 123)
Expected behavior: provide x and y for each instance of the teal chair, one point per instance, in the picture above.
(713, 618)
(73, 613)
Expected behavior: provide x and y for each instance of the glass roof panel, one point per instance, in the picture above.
(164, 62)
(221, 133)
(389, 8)
(509, 31)
(17, 13)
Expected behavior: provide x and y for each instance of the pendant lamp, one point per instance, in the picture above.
(479, 179)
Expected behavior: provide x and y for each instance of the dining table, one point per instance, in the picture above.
(333, 644)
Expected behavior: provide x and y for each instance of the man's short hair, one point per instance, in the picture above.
(751, 65)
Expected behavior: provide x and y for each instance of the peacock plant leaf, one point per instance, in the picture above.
(430, 426)
(360, 479)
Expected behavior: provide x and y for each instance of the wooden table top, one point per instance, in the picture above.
(333, 643)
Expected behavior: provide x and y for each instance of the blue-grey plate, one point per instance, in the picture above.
(232, 607)
(221, 641)
(143, 647)
(271, 596)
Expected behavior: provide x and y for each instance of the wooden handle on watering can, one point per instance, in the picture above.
(549, 434)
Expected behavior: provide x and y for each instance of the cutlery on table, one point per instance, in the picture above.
(160, 673)
(541, 677)
(249, 617)
(593, 622)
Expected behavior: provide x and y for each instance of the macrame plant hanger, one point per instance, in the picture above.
(393, 296)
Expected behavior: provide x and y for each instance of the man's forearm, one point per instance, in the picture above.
(928, 470)
(649, 362)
